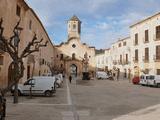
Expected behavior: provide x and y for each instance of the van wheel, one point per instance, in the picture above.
(48, 93)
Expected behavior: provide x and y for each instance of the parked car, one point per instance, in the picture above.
(154, 80)
(41, 85)
(136, 80)
(59, 80)
(101, 75)
(144, 79)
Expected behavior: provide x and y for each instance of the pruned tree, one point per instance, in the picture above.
(55, 69)
(11, 46)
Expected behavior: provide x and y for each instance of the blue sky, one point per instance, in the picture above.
(103, 21)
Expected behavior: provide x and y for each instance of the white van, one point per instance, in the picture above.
(154, 80)
(41, 85)
(102, 75)
(144, 79)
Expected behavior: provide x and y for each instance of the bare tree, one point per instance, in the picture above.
(11, 46)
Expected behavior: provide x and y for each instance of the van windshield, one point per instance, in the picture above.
(152, 77)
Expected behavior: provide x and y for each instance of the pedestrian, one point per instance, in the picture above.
(70, 78)
(118, 72)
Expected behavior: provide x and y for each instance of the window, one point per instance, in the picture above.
(146, 71)
(74, 26)
(120, 59)
(124, 43)
(146, 57)
(61, 65)
(146, 36)
(30, 24)
(158, 32)
(73, 56)
(136, 55)
(152, 77)
(136, 39)
(119, 45)
(43, 61)
(126, 58)
(106, 60)
(158, 52)
(18, 10)
(1, 60)
(158, 71)
(61, 57)
(73, 45)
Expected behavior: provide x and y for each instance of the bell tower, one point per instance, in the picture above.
(74, 27)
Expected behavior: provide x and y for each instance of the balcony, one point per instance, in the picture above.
(135, 60)
(156, 37)
(114, 62)
(145, 41)
(135, 44)
(120, 62)
(123, 62)
(145, 60)
(156, 58)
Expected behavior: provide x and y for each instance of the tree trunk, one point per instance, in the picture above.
(15, 98)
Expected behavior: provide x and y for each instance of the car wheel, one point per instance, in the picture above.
(48, 93)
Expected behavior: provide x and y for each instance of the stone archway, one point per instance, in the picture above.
(73, 70)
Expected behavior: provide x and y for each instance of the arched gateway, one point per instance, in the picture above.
(73, 70)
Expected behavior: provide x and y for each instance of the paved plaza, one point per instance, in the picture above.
(85, 100)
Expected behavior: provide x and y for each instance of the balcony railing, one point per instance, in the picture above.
(156, 37)
(135, 60)
(156, 58)
(123, 62)
(145, 41)
(114, 62)
(146, 60)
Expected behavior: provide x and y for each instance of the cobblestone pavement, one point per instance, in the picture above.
(85, 100)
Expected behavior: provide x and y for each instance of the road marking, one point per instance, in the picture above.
(68, 94)
(69, 115)
(42, 104)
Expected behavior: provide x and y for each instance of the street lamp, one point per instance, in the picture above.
(17, 32)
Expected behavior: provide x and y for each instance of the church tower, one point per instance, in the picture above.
(74, 27)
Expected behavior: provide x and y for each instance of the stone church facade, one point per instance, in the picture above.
(74, 57)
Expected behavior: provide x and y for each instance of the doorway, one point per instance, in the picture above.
(73, 70)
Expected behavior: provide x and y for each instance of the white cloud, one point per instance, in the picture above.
(103, 21)
(102, 26)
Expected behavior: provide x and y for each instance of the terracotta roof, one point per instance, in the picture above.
(74, 18)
